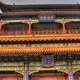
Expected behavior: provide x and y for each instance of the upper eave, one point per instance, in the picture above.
(38, 5)
(39, 12)
(35, 7)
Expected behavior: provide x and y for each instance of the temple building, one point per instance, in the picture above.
(40, 42)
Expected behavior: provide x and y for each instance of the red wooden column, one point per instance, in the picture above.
(1, 23)
(29, 29)
(63, 25)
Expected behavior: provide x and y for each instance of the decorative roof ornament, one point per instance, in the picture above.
(7, 2)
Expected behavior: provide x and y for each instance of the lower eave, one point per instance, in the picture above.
(40, 37)
(16, 49)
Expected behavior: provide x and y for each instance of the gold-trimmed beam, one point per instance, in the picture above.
(36, 21)
(22, 21)
(67, 20)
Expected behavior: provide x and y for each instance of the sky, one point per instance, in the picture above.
(22, 2)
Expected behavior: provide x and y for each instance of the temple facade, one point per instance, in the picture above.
(40, 42)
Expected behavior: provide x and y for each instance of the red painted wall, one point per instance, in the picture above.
(79, 78)
(10, 78)
(50, 78)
